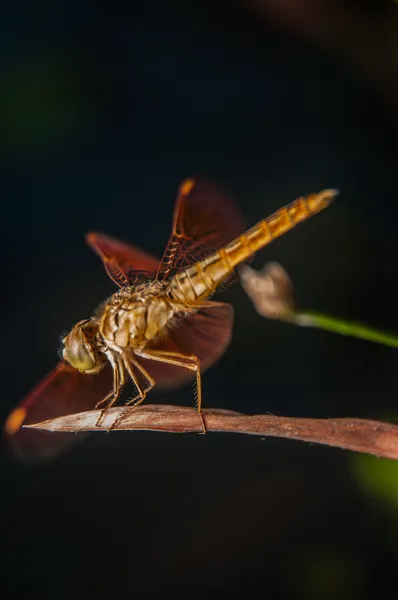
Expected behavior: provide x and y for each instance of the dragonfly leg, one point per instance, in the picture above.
(190, 362)
(129, 363)
(118, 384)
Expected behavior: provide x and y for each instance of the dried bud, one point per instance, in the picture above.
(271, 290)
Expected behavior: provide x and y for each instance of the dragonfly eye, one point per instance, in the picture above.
(80, 349)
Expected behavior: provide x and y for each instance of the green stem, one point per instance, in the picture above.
(343, 327)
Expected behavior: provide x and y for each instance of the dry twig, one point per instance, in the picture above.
(361, 435)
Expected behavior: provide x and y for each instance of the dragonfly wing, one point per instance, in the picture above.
(123, 262)
(205, 219)
(206, 334)
(63, 391)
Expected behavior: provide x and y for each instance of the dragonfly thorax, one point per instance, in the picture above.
(136, 315)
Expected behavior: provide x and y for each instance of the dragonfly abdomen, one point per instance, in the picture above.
(198, 282)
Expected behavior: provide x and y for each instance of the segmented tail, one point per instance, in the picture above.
(201, 280)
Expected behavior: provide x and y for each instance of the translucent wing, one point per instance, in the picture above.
(206, 334)
(124, 263)
(63, 391)
(205, 219)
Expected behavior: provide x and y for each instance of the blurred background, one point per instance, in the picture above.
(104, 110)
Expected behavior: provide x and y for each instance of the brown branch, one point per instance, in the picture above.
(360, 435)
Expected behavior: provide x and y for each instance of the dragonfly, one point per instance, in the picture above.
(161, 326)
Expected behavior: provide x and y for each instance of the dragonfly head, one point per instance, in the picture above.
(80, 348)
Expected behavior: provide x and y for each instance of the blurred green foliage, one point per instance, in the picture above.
(377, 476)
(40, 104)
(329, 575)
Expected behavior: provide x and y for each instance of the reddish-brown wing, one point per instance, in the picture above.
(123, 262)
(63, 391)
(206, 334)
(205, 219)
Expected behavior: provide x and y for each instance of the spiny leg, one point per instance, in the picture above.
(140, 397)
(190, 362)
(118, 384)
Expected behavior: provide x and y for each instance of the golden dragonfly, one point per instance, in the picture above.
(161, 326)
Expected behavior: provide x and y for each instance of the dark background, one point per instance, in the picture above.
(103, 111)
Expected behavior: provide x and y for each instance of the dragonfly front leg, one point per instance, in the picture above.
(130, 364)
(118, 384)
(190, 362)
